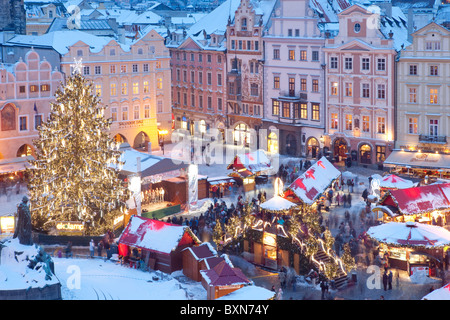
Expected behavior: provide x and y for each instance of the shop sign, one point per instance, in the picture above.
(420, 270)
(69, 227)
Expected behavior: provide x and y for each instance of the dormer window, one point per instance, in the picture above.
(244, 24)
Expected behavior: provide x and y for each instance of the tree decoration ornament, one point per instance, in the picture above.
(73, 178)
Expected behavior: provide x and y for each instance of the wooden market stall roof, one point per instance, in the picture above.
(313, 182)
(155, 235)
(224, 275)
(418, 200)
(255, 162)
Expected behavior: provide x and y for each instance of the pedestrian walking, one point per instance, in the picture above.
(69, 249)
(92, 248)
(385, 280)
(390, 276)
(324, 288)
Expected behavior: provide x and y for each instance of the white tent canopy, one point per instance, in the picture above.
(277, 203)
(395, 182)
(410, 234)
(439, 294)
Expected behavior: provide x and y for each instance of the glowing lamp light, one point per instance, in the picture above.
(278, 187)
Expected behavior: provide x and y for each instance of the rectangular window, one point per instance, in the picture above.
(366, 124)
(256, 45)
(200, 77)
(413, 70)
(315, 55)
(286, 110)
(303, 55)
(433, 96)
(291, 55)
(276, 54)
(233, 45)
(275, 107)
(98, 90)
(303, 84)
(381, 125)
(291, 87)
(348, 122)
(333, 63)
(219, 103)
(22, 89)
(434, 71)
(219, 79)
(98, 69)
(114, 114)
(86, 70)
(125, 113)
(334, 88)
(297, 32)
(37, 121)
(159, 83)
(159, 106)
(135, 68)
(209, 102)
(334, 121)
(303, 111)
(276, 82)
(381, 64)
(147, 111)
(348, 63)
(209, 78)
(366, 90)
(113, 89)
(381, 91)
(348, 89)
(381, 154)
(193, 100)
(44, 87)
(136, 113)
(135, 87)
(254, 90)
(412, 95)
(145, 87)
(123, 69)
(315, 85)
(112, 68)
(289, 32)
(412, 125)
(200, 102)
(315, 112)
(145, 67)
(124, 88)
(184, 76)
(185, 99)
(365, 64)
(434, 127)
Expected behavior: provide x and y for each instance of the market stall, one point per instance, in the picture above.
(412, 246)
(439, 294)
(219, 187)
(309, 186)
(393, 182)
(427, 204)
(246, 167)
(155, 243)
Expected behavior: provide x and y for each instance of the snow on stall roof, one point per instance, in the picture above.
(314, 181)
(410, 233)
(421, 199)
(249, 293)
(152, 234)
(439, 294)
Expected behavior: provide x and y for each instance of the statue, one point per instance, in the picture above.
(23, 227)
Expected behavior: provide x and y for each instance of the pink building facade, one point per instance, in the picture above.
(26, 90)
(360, 89)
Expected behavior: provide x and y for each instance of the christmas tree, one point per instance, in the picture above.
(75, 174)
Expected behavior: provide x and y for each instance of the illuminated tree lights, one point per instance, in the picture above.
(72, 178)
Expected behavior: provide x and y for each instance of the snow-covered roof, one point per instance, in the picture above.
(255, 161)
(418, 200)
(60, 41)
(249, 293)
(277, 203)
(439, 294)
(395, 182)
(224, 275)
(314, 181)
(155, 235)
(410, 234)
(130, 159)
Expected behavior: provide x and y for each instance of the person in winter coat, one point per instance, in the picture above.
(385, 280)
(92, 247)
(390, 276)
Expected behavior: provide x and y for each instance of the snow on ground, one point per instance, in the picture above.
(95, 279)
